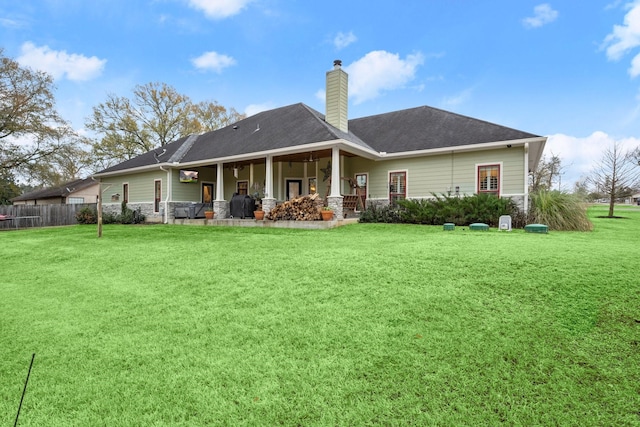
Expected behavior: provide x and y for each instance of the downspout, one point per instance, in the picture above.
(165, 219)
(526, 178)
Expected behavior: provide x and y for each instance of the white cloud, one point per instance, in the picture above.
(457, 99)
(213, 61)
(219, 9)
(343, 40)
(321, 94)
(542, 14)
(634, 71)
(253, 109)
(60, 63)
(580, 155)
(11, 23)
(380, 71)
(624, 37)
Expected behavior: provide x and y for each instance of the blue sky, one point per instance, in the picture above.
(565, 69)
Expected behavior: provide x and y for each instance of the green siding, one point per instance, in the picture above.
(442, 173)
(140, 186)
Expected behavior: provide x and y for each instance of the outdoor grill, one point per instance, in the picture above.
(242, 206)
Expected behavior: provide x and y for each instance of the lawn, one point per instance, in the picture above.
(367, 324)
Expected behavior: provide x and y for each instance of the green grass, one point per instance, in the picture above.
(369, 324)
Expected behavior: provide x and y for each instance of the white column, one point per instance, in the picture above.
(280, 181)
(335, 172)
(268, 179)
(526, 177)
(219, 182)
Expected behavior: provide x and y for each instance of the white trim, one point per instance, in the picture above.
(526, 177)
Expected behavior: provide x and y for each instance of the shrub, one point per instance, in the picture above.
(387, 214)
(86, 215)
(126, 216)
(559, 211)
(466, 210)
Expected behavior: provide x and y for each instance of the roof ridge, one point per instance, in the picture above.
(184, 148)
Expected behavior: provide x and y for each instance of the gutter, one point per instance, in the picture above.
(165, 219)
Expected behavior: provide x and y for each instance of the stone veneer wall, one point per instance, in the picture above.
(335, 203)
(146, 209)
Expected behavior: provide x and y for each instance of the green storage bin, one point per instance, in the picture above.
(479, 226)
(449, 226)
(536, 228)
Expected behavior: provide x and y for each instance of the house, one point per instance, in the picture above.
(72, 192)
(294, 150)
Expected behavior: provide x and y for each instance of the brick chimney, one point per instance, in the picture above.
(337, 97)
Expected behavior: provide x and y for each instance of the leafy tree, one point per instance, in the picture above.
(72, 161)
(30, 127)
(616, 174)
(8, 187)
(156, 115)
(547, 173)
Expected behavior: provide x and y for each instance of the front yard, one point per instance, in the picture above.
(368, 324)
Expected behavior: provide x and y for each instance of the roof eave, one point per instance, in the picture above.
(461, 148)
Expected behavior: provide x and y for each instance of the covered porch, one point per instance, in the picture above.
(276, 178)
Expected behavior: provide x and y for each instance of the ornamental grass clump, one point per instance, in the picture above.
(559, 211)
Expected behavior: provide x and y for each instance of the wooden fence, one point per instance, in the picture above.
(26, 216)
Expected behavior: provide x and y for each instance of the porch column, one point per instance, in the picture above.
(220, 206)
(334, 200)
(526, 178)
(268, 201)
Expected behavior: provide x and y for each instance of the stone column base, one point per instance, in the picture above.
(335, 203)
(268, 204)
(221, 208)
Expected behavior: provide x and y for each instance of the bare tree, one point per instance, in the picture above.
(30, 127)
(156, 115)
(615, 174)
(547, 173)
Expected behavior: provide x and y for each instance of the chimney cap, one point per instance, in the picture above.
(337, 63)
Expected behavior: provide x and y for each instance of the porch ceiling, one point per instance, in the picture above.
(305, 156)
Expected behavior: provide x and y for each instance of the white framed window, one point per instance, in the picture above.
(397, 186)
(157, 195)
(489, 178)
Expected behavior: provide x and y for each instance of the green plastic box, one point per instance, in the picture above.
(536, 228)
(479, 226)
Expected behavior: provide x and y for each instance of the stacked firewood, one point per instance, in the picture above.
(305, 208)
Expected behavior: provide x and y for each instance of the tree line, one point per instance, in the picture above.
(39, 148)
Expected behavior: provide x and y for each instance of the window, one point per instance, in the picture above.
(489, 179)
(397, 187)
(157, 196)
(75, 200)
(242, 187)
(125, 193)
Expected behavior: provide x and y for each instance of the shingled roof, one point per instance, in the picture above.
(426, 128)
(56, 192)
(415, 129)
